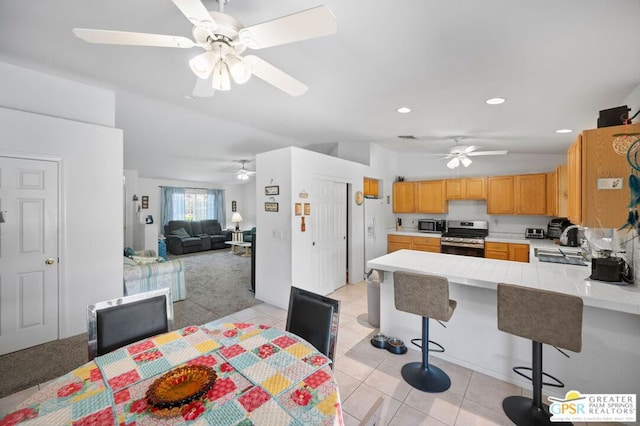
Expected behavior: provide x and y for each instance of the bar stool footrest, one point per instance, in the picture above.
(416, 340)
(558, 383)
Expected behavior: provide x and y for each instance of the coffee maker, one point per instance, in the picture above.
(556, 227)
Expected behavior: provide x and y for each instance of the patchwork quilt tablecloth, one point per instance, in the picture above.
(264, 376)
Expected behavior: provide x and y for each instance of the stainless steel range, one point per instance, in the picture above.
(465, 237)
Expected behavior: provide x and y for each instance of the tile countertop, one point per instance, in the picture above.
(487, 273)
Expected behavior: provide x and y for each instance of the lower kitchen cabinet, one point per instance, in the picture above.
(506, 251)
(398, 242)
(426, 244)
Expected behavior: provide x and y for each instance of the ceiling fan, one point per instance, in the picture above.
(243, 173)
(460, 154)
(224, 39)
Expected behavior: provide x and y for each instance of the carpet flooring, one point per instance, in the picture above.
(217, 282)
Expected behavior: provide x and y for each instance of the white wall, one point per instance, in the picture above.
(27, 90)
(633, 102)
(91, 225)
(284, 253)
(273, 230)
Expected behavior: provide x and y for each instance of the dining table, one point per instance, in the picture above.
(258, 375)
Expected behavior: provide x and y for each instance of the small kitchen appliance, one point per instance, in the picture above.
(607, 269)
(536, 233)
(556, 226)
(431, 225)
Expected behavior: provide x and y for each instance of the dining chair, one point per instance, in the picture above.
(115, 323)
(314, 318)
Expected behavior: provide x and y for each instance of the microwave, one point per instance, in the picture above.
(431, 225)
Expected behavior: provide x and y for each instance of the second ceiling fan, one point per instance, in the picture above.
(224, 39)
(459, 154)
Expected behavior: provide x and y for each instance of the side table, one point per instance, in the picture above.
(237, 236)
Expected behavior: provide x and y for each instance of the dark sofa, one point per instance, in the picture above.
(185, 236)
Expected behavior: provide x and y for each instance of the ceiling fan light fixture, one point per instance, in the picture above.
(453, 163)
(240, 72)
(202, 65)
(221, 79)
(243, 176)
(466, 161)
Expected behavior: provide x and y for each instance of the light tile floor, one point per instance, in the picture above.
(364, 372)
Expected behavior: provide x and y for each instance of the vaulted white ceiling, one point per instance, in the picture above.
(557, 63)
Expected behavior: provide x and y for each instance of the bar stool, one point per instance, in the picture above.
(427, 296)
(543, 317)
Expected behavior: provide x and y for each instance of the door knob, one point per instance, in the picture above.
(49, 261)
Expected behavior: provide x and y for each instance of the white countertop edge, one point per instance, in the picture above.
(593, 293)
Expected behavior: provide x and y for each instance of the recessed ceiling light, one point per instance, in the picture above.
(404, 110)
(495, 101)
(564, 131)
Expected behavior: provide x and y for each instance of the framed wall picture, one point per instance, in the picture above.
(272, 190)
(307, 209)
(234, 206)
(270, 207)
(145, 201)
(298, 209)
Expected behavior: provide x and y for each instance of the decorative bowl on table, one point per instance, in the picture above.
(179, 387)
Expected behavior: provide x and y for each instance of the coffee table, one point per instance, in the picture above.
(234, 244)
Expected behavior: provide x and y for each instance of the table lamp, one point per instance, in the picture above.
(237, 218)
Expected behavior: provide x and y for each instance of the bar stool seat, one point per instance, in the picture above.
(427, 296)
(544, 317)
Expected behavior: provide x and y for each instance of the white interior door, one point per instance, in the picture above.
(28, 253)
(329, 212)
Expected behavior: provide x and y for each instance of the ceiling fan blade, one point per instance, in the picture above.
(203, 88)
(132, 39)
(195, 12)
(277, 78)
(487, 153)
(311, 23)
(468, 149)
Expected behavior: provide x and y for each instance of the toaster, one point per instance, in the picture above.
(537, 233)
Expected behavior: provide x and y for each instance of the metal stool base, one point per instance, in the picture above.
(430, 379)
(522, 412)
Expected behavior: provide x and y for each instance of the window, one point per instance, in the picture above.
(195, 204)
(192, 204)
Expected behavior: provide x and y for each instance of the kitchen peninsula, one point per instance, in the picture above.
(608, 362)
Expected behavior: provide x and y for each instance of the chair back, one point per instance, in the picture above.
(422, 294)
(115, 323)
(314, 318)
(541, 315)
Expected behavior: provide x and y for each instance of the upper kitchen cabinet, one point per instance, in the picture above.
(519, 194)
(431, 197)
(500, 195)
(466, 189)
(557, 192)
(593, 198)
(371, 188)
(530, 194)
(404, 194)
